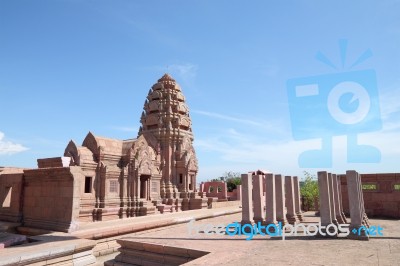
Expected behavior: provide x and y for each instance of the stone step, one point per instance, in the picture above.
(164, 208)
(138, 253)
(156, 202)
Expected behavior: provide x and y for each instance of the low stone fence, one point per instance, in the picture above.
(381, 194)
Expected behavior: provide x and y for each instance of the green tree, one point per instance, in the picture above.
(309, 190)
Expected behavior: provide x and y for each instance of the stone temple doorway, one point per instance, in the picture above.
(145, 187)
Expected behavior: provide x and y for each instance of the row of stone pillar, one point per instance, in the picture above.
(331, 208)
(282, 199)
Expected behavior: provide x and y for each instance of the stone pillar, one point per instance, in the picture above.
(270, 199)
(280, 199)
(258, 203)
(225, 191)
(247, 199)
(167, 157)
(290, 204)
(338, 210)
(138, 187)
(144, 188)
(365, 218)
(184, 183)
(297, 204)
(332, 199)
(187, 181)
(149, 189)
(360, 198)
(356, 208)
(202, 187)
(324, 199)
(341, 199)
(129, 188)
(239, 192)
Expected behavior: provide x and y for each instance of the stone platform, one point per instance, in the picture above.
(262, 250)
(170, 232)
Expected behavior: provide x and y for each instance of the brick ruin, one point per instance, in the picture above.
(105, 179)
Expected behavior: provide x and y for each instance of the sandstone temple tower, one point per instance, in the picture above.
(106, 179)
(166, 117)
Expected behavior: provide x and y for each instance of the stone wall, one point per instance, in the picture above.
(10, 196)
(52, 198)
(381, 194)
(54, 162)
(215, 189)
(235, 194)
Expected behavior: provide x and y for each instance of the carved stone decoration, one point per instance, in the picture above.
(185, 143)
(151, 140)
(72, 151)
(192, 166)
(191, 160)
(145, 167)
(90, 142)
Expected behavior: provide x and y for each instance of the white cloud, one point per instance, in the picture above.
(185, 71)
(389, 103)
(229, 118)
(270, 126)
(8, 147)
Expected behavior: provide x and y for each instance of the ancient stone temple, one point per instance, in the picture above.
(166, 123)
(106, 178)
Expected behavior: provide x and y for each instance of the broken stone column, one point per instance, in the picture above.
(280, 199)
(290, 204)
(247, 199)
(270, 199)
(357, 229)
(338, 210)
(258, 203)
(324, 200)
(297, 203)
(332, 199)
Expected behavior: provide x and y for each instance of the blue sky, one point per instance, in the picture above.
(68, 67)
